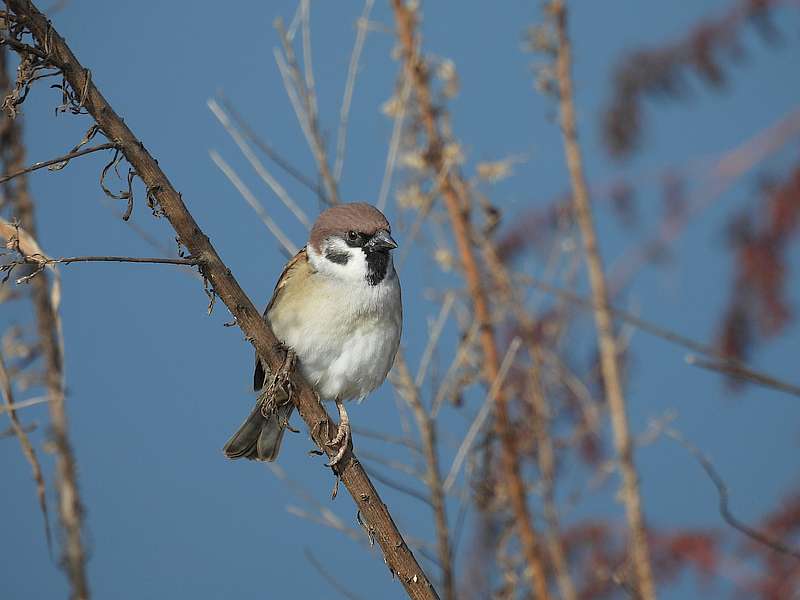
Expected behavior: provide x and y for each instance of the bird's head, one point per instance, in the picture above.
(352, 242)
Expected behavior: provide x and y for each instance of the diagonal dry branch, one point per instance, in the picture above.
(609, 365)
(373, 511)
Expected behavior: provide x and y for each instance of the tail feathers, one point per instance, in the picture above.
(259, 437)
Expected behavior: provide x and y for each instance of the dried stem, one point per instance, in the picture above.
(373, 511)
(271, 153)
(737, 370)
(458, 211)
(70, 509)
(541, 424)
(301, 93)
(38, 260)
(287, 245)
(409, 390)
(724, 507)
(335, 583)
(61, 159)
(10, 406)
(352, 71)
(607, 344)
(728, 365)
(483, 413)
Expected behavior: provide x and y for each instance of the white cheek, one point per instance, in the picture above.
(355, 270)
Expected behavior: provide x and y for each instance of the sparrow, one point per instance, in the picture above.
(337, 307)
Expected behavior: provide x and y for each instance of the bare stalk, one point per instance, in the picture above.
(55, 161)
(612, 380)
(458, 211)
(17, 429)
(287, 244)
(545, 452)
(724, 500)
(352, 71)
(376, 516)
(70, 509)
(409, 389)
(303, 98)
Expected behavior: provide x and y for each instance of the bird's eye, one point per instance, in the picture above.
(352, 236)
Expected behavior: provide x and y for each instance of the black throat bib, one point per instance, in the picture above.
(377, 265)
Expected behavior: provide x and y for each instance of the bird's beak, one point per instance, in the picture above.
(381, 241)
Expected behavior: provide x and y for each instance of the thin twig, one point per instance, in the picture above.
(308, 68)
(338, 586)
(394, 142)
(640, 552)
(433, 339)
(67, 157)
(273, 227)
(352, 71)
(445, 386)
(399, 487)
(23, 404)
(11, 432)
(724, 499)
(396, 552)
(11, 407)
(304, 103)
(387, 438)
(409, 390)
(314, 510)
(726, 364)
(392, 464)
(257, 165)
(271, 153)
(482, 415)
(732, 369)
(39, 260)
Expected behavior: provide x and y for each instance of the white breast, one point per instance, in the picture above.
(346, 336)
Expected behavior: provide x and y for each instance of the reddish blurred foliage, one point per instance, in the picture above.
(758, 304)
(597, 551)
(662, 72)
(623, 203)
(779, 574)
(535, 228)
(673, 196)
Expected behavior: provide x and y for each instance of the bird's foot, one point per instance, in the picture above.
(282, 380)
(343, 437)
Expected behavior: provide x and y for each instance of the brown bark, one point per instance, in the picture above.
(373, 511)
(609, 365)
(459, 215)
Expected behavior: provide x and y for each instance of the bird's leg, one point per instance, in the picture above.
(343, 435)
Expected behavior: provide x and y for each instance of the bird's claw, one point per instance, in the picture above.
(343, 437)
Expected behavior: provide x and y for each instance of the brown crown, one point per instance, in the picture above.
(339, 219)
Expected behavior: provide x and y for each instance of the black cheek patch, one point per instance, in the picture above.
(377, 265)
(338, 257)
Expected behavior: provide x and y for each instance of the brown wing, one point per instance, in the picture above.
(259, 376)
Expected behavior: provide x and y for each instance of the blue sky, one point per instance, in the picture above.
(156, 386)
